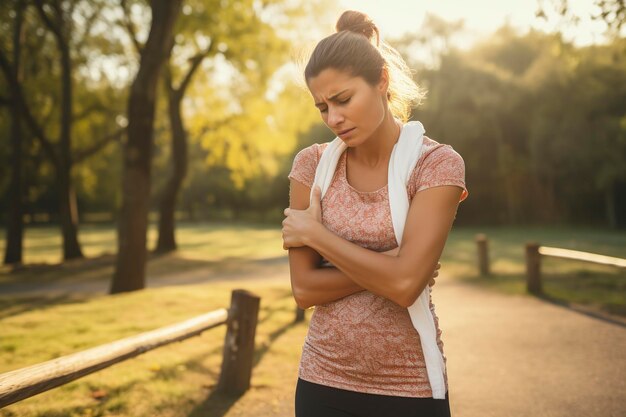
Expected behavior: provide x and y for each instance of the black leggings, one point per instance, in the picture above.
(315, 400)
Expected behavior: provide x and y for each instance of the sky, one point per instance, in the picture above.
(481, 17)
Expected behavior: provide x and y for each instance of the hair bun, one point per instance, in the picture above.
(358, 22)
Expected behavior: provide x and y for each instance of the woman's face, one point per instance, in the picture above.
(349, 106)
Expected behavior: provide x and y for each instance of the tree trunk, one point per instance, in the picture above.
(191, 213)
(132, 228)
(68, 210)
(167, 239)
(60, 26)
(15, 224)
(68, 215)
(169, 197)
(15, 216)
(609, 200)
(620, 204)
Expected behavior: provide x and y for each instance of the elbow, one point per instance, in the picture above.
(300, 295)
(405, 301)
(301, 301)
(410, 290)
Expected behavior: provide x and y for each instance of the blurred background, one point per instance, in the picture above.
(531, 94)
(147, 144)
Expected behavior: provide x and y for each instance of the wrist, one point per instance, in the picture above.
(311, 238)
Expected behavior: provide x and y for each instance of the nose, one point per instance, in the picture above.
(335, 117)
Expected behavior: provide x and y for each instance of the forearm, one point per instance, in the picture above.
(383, 275)
(323, 285)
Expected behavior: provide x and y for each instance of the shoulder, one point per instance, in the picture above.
(310, 153)
(435, 154)
(439, 164)
(305, 163)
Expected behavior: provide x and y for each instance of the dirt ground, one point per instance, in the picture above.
(508, 355)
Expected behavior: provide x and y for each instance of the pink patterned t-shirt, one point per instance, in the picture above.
(365, 342)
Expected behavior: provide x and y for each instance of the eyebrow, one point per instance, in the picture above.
(332, 97)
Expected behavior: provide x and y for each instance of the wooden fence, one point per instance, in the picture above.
(534, 253)
(241, 321)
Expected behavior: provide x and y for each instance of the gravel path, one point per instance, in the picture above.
(222, 271)
(517, 356)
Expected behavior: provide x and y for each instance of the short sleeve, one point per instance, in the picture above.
(304, 165)
(439, 166)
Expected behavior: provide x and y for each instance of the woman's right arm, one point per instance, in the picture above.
(312, 284)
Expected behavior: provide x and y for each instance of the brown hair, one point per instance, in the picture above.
(356, 47)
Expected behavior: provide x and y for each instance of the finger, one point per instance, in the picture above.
(315, 197)
(286, 211)
(431, 282)
(438, 265)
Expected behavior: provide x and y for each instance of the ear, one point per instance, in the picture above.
(383, 84)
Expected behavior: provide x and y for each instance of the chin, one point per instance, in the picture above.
(350, 143)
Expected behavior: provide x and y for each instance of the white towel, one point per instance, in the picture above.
(404, 157)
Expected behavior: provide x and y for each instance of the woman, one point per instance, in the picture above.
(362, 355)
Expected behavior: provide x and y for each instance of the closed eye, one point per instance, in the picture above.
(324, 110)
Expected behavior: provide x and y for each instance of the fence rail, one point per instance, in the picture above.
(241, 320)
(582, 256)
(534, 253)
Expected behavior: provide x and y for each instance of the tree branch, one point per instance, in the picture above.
(214, 126)
(130, 27)
(18, 96)
(54, 28)
(195, 64)
(89, 24)
(88, 110)
(81, 155)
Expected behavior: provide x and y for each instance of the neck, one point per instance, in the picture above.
(377, 149)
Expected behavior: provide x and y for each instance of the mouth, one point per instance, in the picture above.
(345, 131)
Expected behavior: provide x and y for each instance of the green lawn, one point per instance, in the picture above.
(601, 287)
(206, 241)
(176, 380)
(200, 245)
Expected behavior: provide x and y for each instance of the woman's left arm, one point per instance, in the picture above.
(400, 278)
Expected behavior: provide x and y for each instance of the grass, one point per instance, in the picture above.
(208, 241)
(200, 245)
(598, 287)
(178, 380)
(175, 380)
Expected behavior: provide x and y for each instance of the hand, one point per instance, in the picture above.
(435, 274)
(299, 224)
(394, 252)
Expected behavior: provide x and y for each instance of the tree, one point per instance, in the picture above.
(58, 18)
(15, 225)
(207, 30)
(611, 12)
(133, 223)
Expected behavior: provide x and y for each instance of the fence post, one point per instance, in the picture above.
(483, 254)
(533, 268)
(299, 315)
(239, 343)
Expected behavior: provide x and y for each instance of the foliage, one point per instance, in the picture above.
(539, 122)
